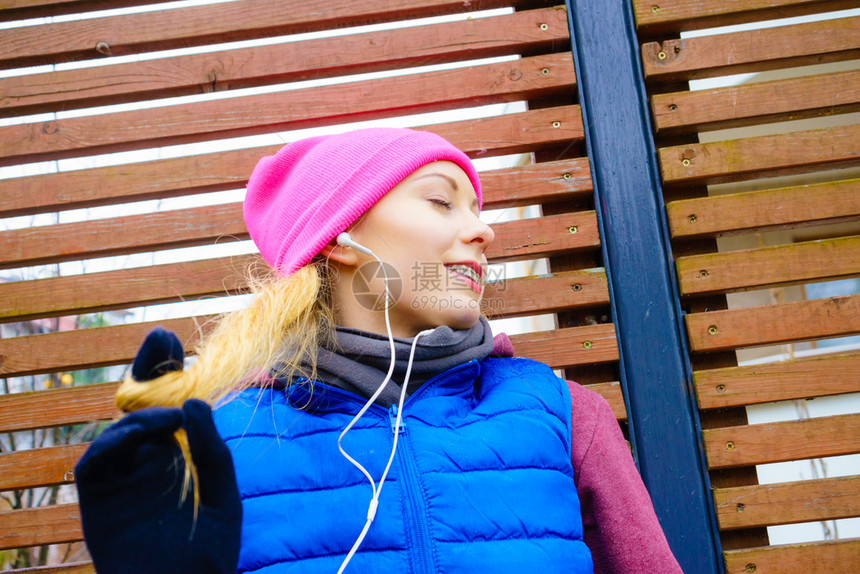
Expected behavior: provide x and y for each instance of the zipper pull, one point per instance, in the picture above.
(392, 418)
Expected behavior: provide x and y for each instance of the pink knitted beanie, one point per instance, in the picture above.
(301, 198)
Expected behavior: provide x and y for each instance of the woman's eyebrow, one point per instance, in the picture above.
(451, 181)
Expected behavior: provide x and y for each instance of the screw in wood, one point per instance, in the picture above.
(576, 287)
(673, 107)
(685, 162)
(661, 55)
(740, 507)
(556, 124)
(572, 229)
(712, 330)
(750, 567)
(721, 388)
(730, 446)
(586, 344)
(655, 9)
(544, 27)
(545, 72)
(692, 218)
(566, 176)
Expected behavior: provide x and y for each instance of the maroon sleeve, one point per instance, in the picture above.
(619, 523)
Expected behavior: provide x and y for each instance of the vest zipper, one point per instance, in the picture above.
(419, 530)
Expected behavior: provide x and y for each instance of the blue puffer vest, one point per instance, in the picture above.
(481, 482)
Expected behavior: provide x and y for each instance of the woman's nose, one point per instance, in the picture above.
(480, 232)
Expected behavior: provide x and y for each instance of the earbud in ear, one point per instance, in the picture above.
(344, 240)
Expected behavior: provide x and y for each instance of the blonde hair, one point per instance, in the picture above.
(277, 334)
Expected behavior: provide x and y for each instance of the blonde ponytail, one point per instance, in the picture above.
(281, 329)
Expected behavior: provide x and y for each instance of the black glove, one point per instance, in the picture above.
(130, 491)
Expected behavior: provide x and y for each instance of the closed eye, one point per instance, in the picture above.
(446, 204)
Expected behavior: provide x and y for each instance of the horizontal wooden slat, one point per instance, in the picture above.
(782, 381)
(540, 237)
(747, 269)
(71, 350)
(99, 347)
(831, 556)
(762, 156)
(193, 26)
(518, 33)
(545, 293)
(752, 51)
(668, 16)
(123, 288)
(74, 568)
(122, 235)
(58, 407)
(613, 395)
(770, 208)
(782, 441)
(518, 240)
(765, 325)
(303, 108)
(38, 526)
(749, 104)
(508, 187)
(791, 502)
(24, 9)
(571, 346)
(39, 467)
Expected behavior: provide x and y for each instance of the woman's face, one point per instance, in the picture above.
(427, 232)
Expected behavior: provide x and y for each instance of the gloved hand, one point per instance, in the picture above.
(130, 491)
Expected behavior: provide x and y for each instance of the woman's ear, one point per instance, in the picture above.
(339, 253)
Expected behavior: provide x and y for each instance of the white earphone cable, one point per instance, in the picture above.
(345, 240)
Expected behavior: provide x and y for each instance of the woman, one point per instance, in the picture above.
(379, 259)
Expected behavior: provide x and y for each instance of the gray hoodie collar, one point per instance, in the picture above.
(360, 361)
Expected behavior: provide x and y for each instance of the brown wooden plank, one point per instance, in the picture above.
(73, 568)
(302, 108)
(40, 466)
(38, 526)
(58, 407)
(786, 503)
(831, 556)
(769, 324)
(507, 187)
(612, 393)
(782, 441)
(71, 350)
(123, 288)
(763, 102)
(762, 156)
(540, 237)
(518, 33)
(752, 51)
(99, 347)
(782, 381)
(129, 234)
(545, 293)
(746, 269)
(24, 9)
(667, 16)
(560, 348)
(819, 203)
(518, 240)
(199, 25)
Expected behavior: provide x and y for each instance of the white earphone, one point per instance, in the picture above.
(345, 240)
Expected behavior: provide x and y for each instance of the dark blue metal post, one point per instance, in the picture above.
(655, 369)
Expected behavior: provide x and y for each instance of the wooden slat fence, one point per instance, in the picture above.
(39, 349)
(771, 216)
